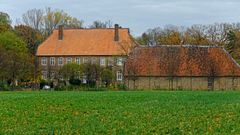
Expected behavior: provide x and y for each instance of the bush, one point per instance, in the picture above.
(75, 81)
(4, 87)
(122, 87)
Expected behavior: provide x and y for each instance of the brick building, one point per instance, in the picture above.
(106, 47)
(181, 67)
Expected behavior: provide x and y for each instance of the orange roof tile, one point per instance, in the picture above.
(181, 61)
(86, 42)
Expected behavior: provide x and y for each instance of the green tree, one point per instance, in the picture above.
(4, 22)
(71, 71)
(30, 36)
(4, 18)
(107, 76)
(91, 73)
(17, 63)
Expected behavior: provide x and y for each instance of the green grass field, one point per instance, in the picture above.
(119, 112)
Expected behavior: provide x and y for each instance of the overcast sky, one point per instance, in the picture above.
(138, 15)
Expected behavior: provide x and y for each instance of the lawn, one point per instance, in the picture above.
(151, 112)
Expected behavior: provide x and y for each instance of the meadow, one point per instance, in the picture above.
(149, 112)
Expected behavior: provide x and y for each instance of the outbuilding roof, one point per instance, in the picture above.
(177, 60)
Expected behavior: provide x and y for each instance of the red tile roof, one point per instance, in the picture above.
(181, 61)
(86, 42)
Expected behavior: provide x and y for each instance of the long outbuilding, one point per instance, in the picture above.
(181, 67)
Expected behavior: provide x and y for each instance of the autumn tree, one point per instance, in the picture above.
(47, 20)
(17, 65)
(30, 36)
(53, 18)
(233, 45)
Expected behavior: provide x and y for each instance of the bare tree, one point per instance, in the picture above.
(100, 24)
(34, 18)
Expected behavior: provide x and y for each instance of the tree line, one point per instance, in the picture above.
(220, 34)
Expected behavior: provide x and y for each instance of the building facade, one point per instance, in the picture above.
(106, 47)
(182, 67)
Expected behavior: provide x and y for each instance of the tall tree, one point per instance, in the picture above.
(4, 18)
(17, 64)
(5, 22)
(233, 45)
(30, 36)
(54, 18)
(34, 18)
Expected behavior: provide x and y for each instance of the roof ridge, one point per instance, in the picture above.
(90, 28)
(201, 46)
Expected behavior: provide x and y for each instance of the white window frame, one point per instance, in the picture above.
(85, 60)
(94, 60)
(110, 61)
(60, 61)
(119, 61)
(102, 61)
(69, 60)
(43, 61)
(78, 61)
(119, 76)
(52, 61)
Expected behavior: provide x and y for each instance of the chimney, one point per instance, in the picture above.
(116, 36)
(60, 32)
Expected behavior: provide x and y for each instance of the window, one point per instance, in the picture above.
(102, 61)
(110, 61)
(119, 76)
(84, 79)
(94, 60)
(44, 75)
(77, 60)
(119, 61)
(52, 61)
(210, 83)
(85, 60)
(69, 60)
(44, 61)
(52, 75)
(60, 61)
